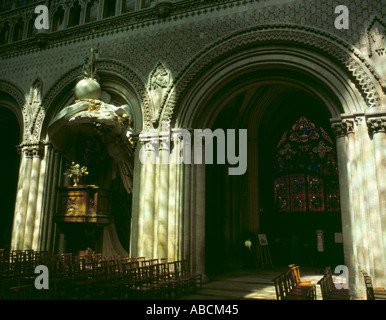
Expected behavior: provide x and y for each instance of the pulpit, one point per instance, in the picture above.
(82, 213)
(84, 204)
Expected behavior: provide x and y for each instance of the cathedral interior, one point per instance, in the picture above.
(98, 110)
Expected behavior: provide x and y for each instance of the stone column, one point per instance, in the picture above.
(146, 236)
(377, 129)
(52, 164)
(27, 197)
(118, 8)
(199, 215)
(341, 129)
(83, 10)
(162, 198)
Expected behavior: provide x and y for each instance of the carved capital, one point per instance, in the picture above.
(32, 149)
(376, 125)
(343, 127)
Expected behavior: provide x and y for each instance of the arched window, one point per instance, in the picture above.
(109, 8)
(128, 6)
(4, 33)
(7, 5)
(58, 20)
(18, 30)
(92, 11)
(31, 31)
(147, 3)
(74, 17)
(306, 177)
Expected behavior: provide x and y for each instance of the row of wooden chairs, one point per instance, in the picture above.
(328, 288)
(289, 286)
(95, 276)
(373, 293)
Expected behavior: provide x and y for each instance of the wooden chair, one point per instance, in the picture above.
(83, 279)
(373, 293)
(143, 287)
(108, 277)
(329, 291)
(287, 289)
(296, 279)
(193, 280)
(170, 280)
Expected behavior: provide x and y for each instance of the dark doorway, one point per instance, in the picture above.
(9, 164)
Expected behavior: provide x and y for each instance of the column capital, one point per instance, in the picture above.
(342, 127)
(376, 125)
(32, 149)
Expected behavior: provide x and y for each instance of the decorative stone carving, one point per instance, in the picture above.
(32, 150)
(376, 38)
(33, 113)
(376, 125)
(159, 83)
(377, 48)
(14, 91)
(347, 57)
(343, 128)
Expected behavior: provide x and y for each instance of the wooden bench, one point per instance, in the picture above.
(373, 293)
(287, 288)
(329, 291)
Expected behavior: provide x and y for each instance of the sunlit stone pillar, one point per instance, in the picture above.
(162, 198)
(360, 186)
(44, 217)
(27, 199)
(176, 191)
(341, 129)
(377, 129)
(146, 223)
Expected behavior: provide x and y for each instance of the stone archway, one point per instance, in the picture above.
(333, 73)
(42, 164)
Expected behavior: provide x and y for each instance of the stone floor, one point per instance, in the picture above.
(248, 284)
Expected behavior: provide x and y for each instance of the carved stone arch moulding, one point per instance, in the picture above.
(346, 57)
(18, 95)
(14, 91)
(104, 65)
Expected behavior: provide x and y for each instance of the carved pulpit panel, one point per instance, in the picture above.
(88, 204)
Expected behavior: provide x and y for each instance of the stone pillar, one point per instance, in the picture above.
(361, 159)
(27, 197)
(118, 8)
(83, 11)
(171, 207)
(341, 129)
(44, 222)
(198, 208)
(162, 198)
(376, 123)
(146, 215)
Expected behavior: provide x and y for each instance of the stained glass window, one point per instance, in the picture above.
(306, 171)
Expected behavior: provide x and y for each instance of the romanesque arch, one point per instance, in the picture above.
(333, 72)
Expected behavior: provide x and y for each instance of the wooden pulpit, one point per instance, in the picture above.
(84, 204)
